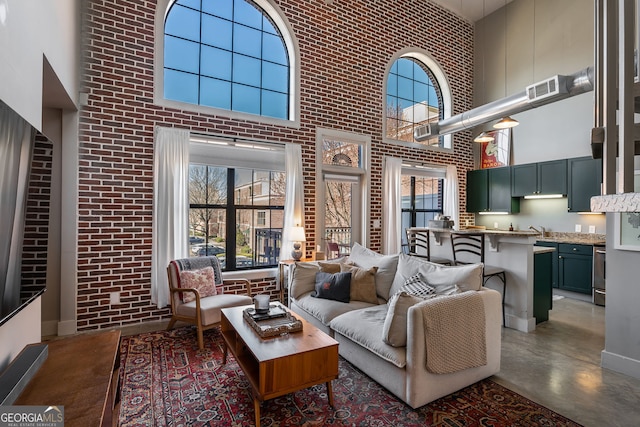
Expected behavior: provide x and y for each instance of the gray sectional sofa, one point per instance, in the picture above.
(388, 339)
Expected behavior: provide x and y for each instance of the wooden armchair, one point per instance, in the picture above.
(195, 305)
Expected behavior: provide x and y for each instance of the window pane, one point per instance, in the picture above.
(207, 232)
(405, 68)
(243, 187)
(275, 77)
(215, 93)
(246, 14)
(181, 54)
(278, 188)
(274, 104)
(221, 8)
(268, 26)
(405, 88)
(273, 49)
(193, 4)
(261, 187)
(216, 32)
(246, 99)
(341, 153)
(180, 86)
(392, 85)
(184, 23)
(420, 92)
(247, 40)
(215, 63)
(246, 70)
(268, 239)
(245, 237)
(338, 211)
(419, 74)
(207, 185)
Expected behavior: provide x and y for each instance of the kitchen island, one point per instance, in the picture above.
(514, 252)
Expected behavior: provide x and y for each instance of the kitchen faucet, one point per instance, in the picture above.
(541, 231)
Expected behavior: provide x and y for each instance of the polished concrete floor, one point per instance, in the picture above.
(558, 366)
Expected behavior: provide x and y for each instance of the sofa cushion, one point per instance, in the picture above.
(326, 310)
(202, 280)
(467, 277)
(387, 264)
(336, 286)
(363, 327)
(394, 330)
(363, 283)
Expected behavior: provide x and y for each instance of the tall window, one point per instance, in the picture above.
(413, 97)
(226, 54)
(236, 213)
(421, 201)
(341, 191)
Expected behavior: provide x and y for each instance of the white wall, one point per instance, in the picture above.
(543, 38)
(29, 31)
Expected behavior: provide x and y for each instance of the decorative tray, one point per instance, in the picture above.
(275, 310)
(267, 327)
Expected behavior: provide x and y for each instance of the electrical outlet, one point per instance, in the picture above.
(114, 298)
(495, 225)
(578, 228)
(592, 229)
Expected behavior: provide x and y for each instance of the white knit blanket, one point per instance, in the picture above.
(454, 332)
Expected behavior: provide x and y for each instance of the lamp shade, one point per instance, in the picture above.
(297, 234)
(483, 137)
(506, 123)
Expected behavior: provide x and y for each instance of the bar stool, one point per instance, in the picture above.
(419, 245)
(473, 244)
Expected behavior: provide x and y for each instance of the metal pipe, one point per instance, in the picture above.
(574, 84)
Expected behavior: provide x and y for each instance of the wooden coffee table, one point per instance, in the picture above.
(279, 365)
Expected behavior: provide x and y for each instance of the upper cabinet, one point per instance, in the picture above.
(539, 178)
(585, 176)
(489, 190)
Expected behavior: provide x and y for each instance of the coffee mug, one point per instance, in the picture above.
(261, 303)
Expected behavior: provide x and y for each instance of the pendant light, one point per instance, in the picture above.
(505, 122)
(483, 136)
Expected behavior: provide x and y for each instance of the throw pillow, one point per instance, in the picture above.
(394, 330)
(330, 267)
(363, 283)
(467, 277)
(418, 286)
(336, 286)
(387, 265)
(303, 278)
(203, 280)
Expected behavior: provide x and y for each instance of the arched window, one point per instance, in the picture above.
(226, 54)
(414, 96)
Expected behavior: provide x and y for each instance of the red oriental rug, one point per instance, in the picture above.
(167, 381)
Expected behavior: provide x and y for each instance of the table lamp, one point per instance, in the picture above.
(297, 236)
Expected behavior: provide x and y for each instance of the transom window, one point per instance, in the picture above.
(413, 98)
(226, 54)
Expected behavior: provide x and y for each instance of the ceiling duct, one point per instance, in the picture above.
(545, 92)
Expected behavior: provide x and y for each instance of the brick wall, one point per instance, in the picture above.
(344, 50)
(36, 227)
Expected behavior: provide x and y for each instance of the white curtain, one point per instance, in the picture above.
(451, 207)
(16, 147)
(392, 205)
(294, 197)
(170, 207)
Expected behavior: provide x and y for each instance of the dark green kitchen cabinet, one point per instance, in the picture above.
(489, 190)
(554, 261)
(575, 263)
(542, 278)
(584, 179)
(539, 178)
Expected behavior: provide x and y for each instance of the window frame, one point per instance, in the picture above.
(360, 232)
(280, 22)
(230, 154)
(445, 88)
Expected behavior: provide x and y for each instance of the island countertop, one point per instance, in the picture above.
(489, 231)
(554, 237)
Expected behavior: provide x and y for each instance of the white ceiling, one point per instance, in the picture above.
(472, 10)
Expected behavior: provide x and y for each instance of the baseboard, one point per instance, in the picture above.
(624, 365)
(520, 324)
(49, 328)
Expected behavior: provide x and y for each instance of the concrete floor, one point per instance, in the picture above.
(558, 366)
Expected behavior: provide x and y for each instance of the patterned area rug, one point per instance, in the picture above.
(167, 381)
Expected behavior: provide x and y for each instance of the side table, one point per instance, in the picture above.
(284, 266)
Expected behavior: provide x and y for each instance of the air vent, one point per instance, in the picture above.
(425, 131)
(546, 89)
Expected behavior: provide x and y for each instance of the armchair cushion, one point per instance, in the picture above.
(202, 280)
